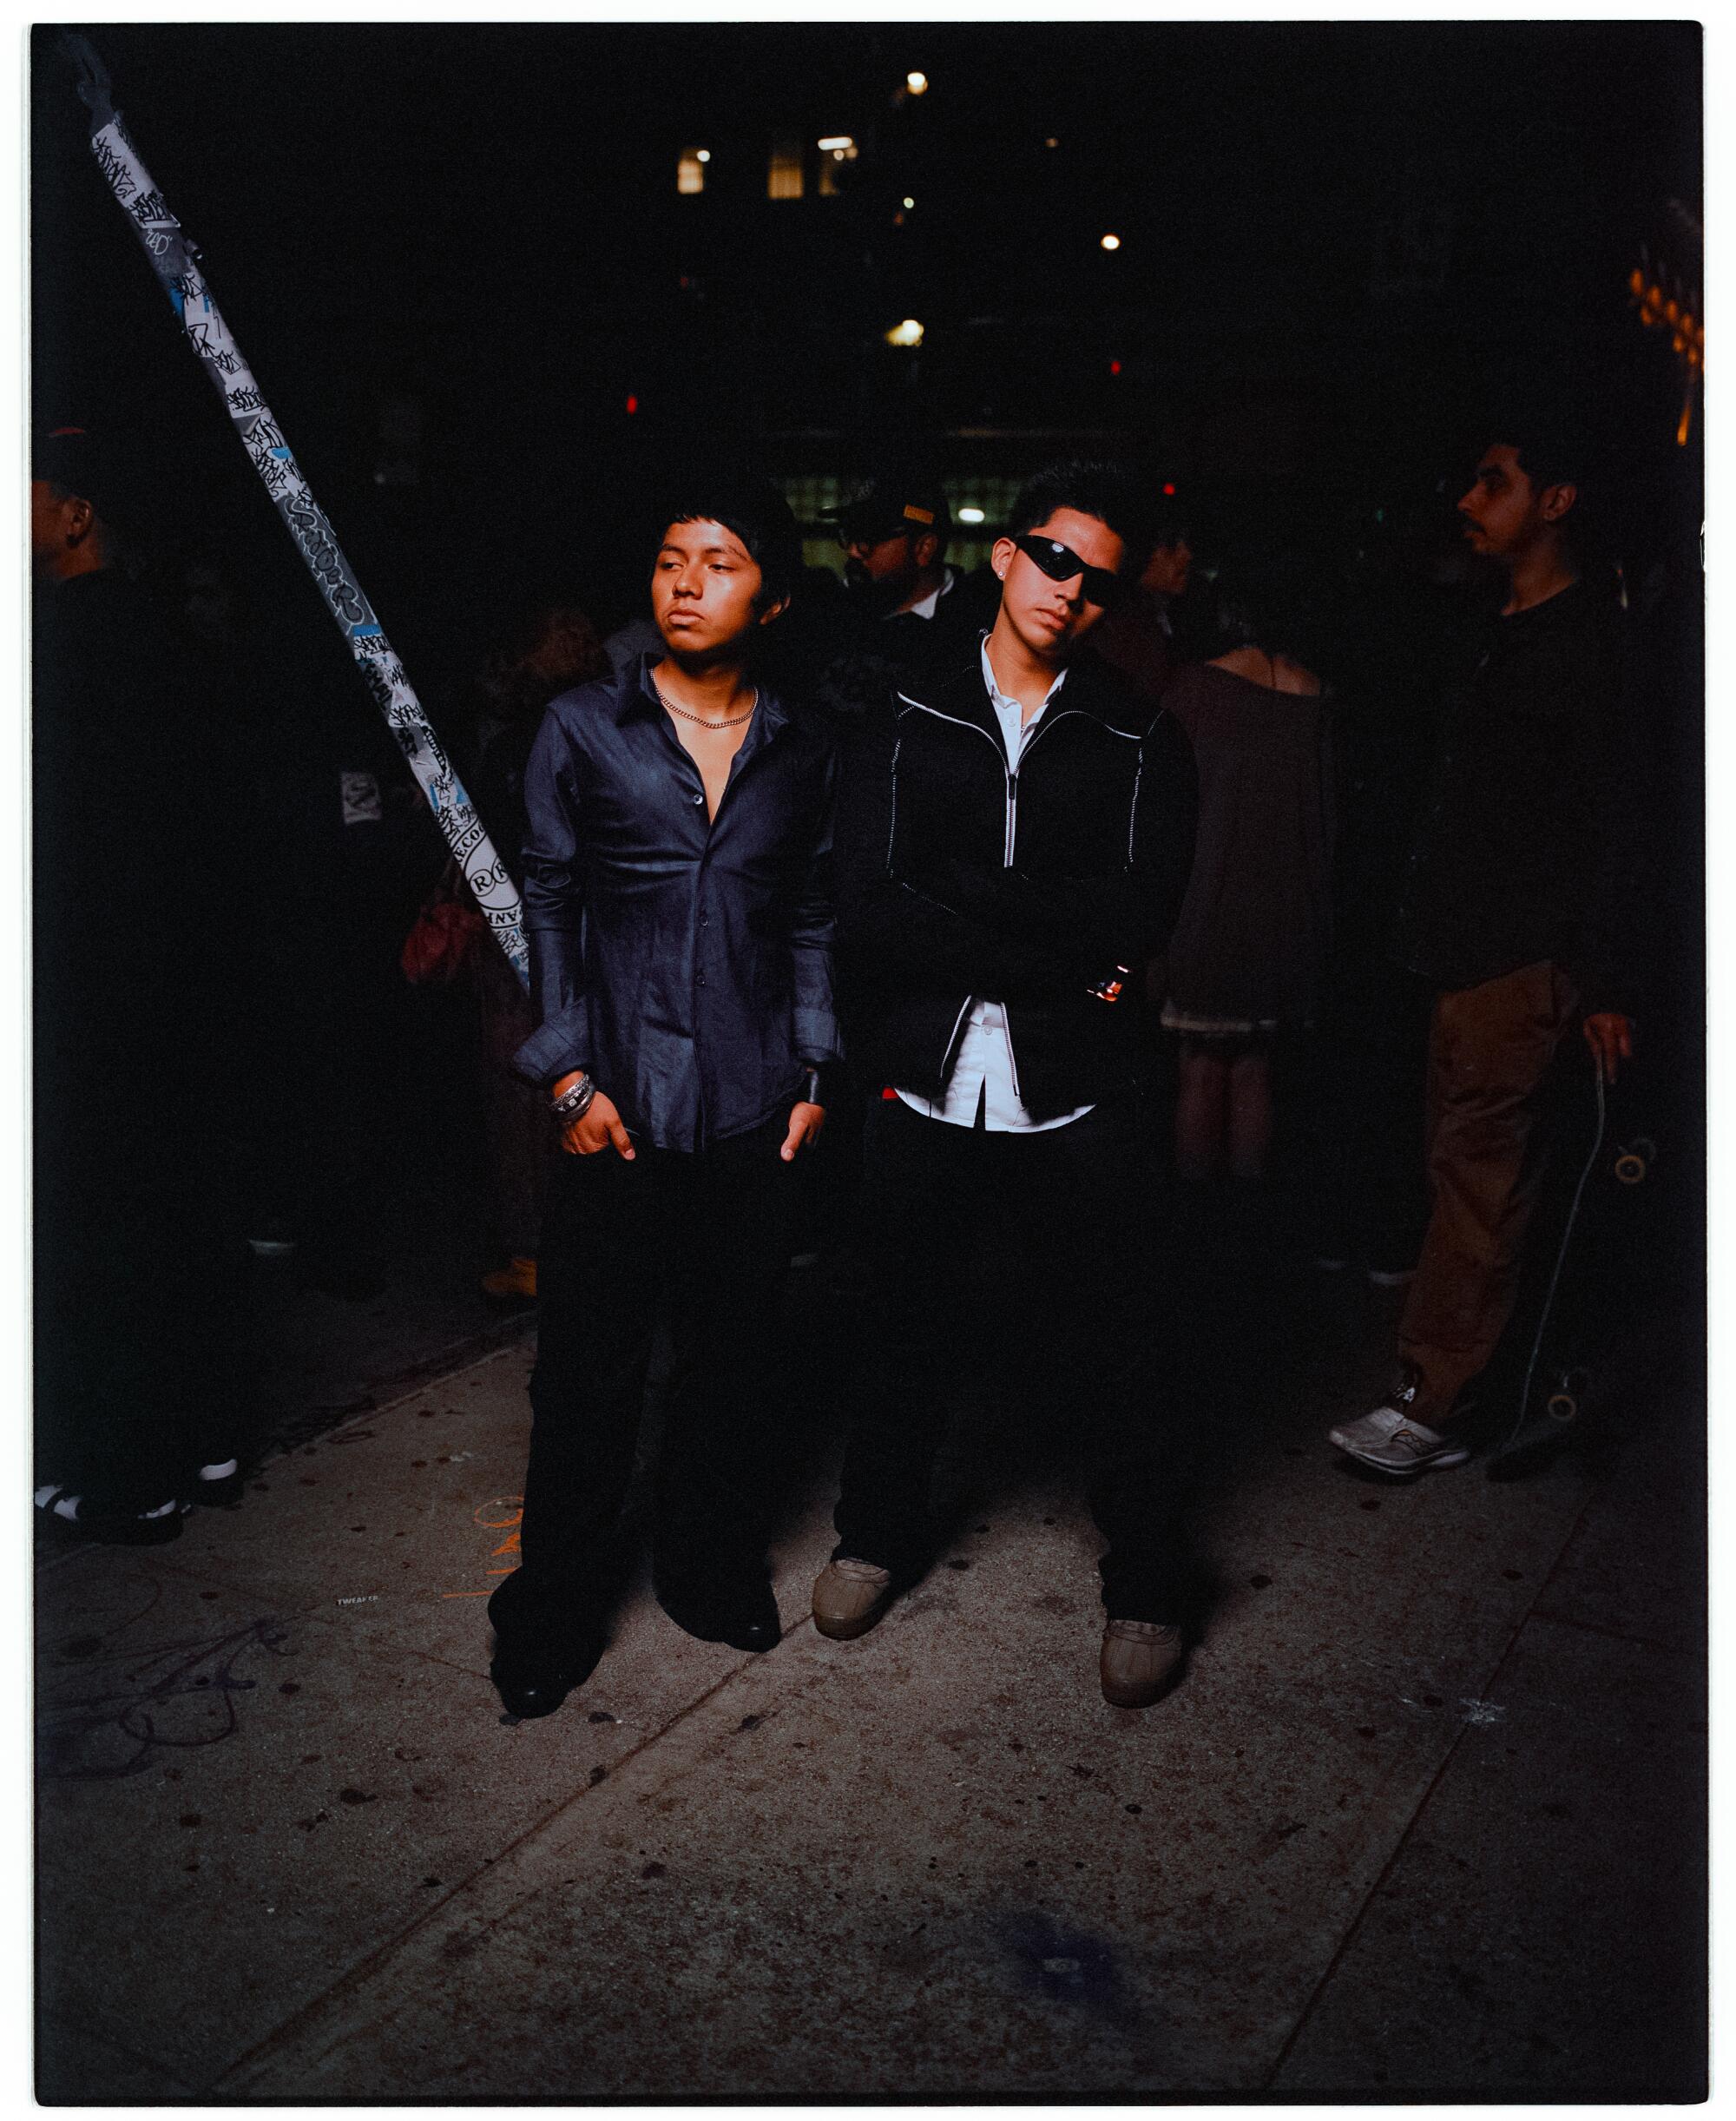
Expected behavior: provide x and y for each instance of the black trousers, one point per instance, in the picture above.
(709, 1234)
(141, 1297)
(1025, 1262)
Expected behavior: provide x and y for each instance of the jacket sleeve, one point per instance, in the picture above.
(813, 935)
(894, 930)
(554, 909)
(1083, 927)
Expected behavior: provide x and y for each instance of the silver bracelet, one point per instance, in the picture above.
(576, 1102)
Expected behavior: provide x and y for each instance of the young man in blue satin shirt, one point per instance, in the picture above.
(677, 901)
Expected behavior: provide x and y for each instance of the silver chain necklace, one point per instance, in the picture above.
(733, 721)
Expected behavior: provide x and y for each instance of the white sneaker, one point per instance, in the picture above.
(1392, 1440)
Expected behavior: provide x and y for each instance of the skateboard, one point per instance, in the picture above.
(1544, 1380)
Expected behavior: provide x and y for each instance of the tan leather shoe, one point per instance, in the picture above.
(849, 1597)
(1139, 1661)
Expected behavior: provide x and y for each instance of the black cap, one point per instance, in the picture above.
(888, 502)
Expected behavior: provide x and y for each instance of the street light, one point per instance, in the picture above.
(1111, 242)
(909, 333)
(917, 83)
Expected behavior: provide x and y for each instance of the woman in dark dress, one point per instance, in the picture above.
(1248, 957)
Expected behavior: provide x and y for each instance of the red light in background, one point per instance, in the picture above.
(1169, 489)
(1114, 368)
(632, 404)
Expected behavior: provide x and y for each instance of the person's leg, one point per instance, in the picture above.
(921, 1175)
(1201, 1112)
(1492, 1046)
(606, 1223)
(1249, 1130)
(714, 1473)
(1091, 1221)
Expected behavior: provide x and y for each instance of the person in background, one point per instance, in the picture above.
(139, 1066)
(1248, 958)
(1015, 841)
(1516, 908)
(1366, 1198)
(1139, 637)
(548, 649)
(908, 614)
(677, 900)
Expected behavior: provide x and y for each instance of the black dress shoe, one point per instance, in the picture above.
(532, 1685)
(740, 1612)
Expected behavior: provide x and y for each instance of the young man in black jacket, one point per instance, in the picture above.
(1511, 909)
(1015, 842)
(677, 898)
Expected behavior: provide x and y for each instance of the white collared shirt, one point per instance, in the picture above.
(985, 1072)
(931, 603)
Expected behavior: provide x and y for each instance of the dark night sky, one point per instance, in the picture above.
(486, 220)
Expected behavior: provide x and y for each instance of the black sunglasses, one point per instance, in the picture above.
(1061, 563)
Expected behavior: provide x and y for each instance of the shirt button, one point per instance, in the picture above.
(698, 799)
(705, 920)
(702, 979)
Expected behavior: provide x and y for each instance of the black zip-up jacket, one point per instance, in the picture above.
(1527, 849)
(685, 962)
(959, 878)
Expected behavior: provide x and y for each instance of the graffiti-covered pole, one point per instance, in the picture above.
(177, 265)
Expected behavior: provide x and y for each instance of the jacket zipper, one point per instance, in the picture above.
(1011, 840)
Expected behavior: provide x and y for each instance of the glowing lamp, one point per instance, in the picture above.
(917, 83)
(971, 515)
(1111, 242)
(909, 333)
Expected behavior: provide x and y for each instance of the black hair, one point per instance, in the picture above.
(79, 464)
(750, 506)
(1548, 422)
(1109, 491)
(1274, 603)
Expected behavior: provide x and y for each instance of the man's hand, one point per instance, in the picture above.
(806, 1122)
(1611, 1038)
(600, 1125)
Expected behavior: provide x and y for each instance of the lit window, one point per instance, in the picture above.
(834, 151)
(690, 175)
(783, 174)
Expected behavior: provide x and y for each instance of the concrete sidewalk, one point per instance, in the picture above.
(1425, 1819)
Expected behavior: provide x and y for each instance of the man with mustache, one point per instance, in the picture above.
(1511, 911)
(1014, 837)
